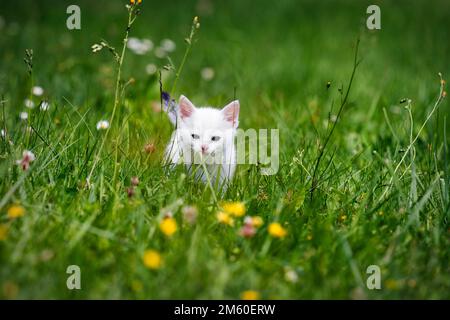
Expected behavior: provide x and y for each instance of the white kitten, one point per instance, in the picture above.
(204, 135)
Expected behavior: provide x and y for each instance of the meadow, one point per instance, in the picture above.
(364, 157)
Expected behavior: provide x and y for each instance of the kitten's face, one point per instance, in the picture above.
(206, 131)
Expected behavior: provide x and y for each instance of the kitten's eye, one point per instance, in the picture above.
(195, 136)
(215, 138)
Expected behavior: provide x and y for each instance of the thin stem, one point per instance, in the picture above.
(4, 136)
(194, 27)
(205, 170)
(116, 97)
(436, 105)
(177, 76)
(30, 97)
(341, 108)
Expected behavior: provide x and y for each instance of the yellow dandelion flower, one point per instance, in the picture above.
(168, 226)
(236, 209)
(250, 295)
(152, 259)
(225, 218)
(15, 211)
(3, 232)
(276, 230)
(257, 221)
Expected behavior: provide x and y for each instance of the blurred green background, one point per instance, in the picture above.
(277, 58)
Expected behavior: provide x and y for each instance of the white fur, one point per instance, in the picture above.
(205, 123)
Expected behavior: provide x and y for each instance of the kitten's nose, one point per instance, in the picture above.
(204, 148)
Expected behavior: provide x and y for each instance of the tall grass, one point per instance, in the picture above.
(377, 166)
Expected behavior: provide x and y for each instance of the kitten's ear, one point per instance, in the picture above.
(186, 107)
(231, 113)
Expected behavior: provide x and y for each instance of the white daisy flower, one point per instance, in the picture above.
(291, 276)
(207, 73)
(102, 125)
(37, 91)
(139, 46)
(160, 53)
(133, 43)
(29, 103)
(23, 115)
(168, 45)
(151, 69)
(147, 44)
(44, 105)
(3, 133)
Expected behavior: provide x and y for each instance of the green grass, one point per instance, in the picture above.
(279, 55)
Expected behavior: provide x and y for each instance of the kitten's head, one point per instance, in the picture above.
(207, 130)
